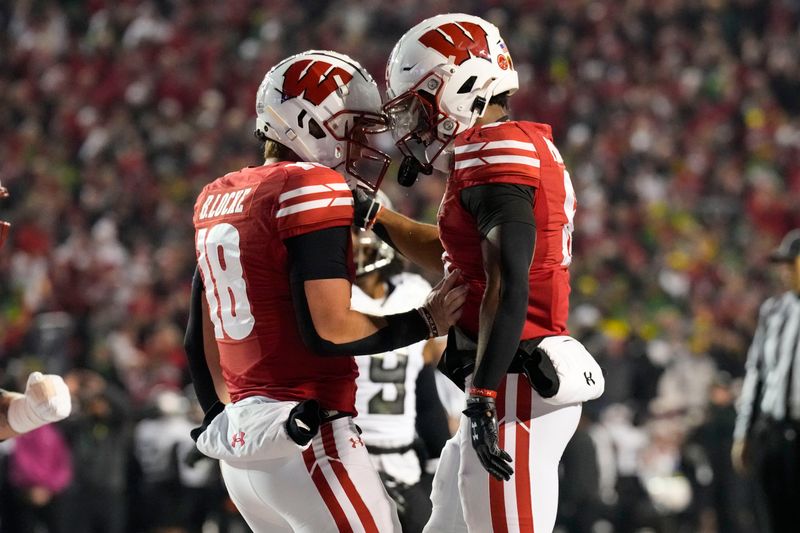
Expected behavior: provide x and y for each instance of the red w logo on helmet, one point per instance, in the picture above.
(315, 80)
(459, 40)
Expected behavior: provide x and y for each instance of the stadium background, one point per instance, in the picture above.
(679, 121)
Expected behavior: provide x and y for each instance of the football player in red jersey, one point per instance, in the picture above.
(506, 223)
(271, 330)
(46, 399)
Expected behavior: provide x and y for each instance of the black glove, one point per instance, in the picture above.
(304, 421)
(483, 436)
(541, 373)
(365, 208)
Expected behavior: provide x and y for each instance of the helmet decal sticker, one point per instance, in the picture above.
(458, 40)
(314, 80)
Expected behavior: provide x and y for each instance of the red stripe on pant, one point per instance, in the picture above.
(339, 518)
(329, 442)
(522, 473)
(497, 503)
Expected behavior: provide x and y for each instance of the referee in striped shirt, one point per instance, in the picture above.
(767, 434)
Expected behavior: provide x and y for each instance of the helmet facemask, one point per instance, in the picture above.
(420, 128)
(362, 160)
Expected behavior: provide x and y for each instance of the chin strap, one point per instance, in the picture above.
(410, 168)
(481, 103)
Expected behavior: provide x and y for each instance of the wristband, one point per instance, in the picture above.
(486, 393)
(372, 214)
(426, 315)
(365, 208)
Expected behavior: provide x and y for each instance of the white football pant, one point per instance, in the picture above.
(467, 499)
(330, 487)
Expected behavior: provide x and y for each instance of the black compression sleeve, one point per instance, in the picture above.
(431, 416)
(498, 203)
(514, 243)
(505, 213)
(193, 345)
(380, 231)
(323, 255)
(319, 254)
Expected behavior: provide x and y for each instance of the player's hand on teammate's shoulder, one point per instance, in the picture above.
(444, 303)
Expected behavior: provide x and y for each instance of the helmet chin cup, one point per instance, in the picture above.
(410, 168)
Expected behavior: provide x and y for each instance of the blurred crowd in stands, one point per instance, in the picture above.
(680, 124)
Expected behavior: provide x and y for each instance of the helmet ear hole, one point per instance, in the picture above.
(315, 129)
(467, 85)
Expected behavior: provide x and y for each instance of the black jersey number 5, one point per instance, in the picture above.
(390, 376)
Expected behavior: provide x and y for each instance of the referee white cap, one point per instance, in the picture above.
(788, 249)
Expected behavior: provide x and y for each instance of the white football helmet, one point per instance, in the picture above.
(440, 78)
(323, 105)
(370, 253)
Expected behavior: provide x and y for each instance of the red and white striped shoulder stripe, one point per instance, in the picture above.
(496, 152)
(312, 197)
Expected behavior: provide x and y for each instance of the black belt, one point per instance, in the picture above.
(380, 450)
(331, 415)
(458, 361)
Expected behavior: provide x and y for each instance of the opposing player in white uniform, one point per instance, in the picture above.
(386, 397)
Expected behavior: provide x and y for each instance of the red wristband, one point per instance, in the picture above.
(486, 393)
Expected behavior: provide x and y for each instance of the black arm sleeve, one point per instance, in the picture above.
(505, 216)
(193, 345)
(432, 424)
(383, 234)
(323, 255)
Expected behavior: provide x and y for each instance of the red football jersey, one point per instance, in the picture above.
(520, 153)
(241, 220)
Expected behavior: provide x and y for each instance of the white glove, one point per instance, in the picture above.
(47, 399)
